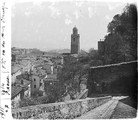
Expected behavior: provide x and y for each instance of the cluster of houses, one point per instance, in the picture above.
(30, 72)
(29, 75)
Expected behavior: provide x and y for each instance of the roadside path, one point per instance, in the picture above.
(123, 111)
(113, 109)
(102, 112)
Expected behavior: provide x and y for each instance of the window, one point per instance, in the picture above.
(74, 39)
(21, 81)
(34, 79)
(40, 84)
(34, 86)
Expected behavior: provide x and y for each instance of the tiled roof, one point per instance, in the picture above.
(23, 64)
(54, 76)
(42, 76)
(15, 68)
(15, 91)
(24, 58)
(51, 77)
(25, 82)
(42, 64)
(39, 65)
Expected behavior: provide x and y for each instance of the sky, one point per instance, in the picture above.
(48, 25)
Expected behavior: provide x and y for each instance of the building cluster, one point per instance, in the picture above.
(33, 71)
(23, 51)
(29, 73)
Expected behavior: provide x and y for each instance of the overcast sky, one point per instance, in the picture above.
(48, 25)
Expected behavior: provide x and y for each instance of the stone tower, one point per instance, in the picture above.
(75, 41)
(101, 47)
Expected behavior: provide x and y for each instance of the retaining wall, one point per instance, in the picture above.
(66, 110)
(124, 74)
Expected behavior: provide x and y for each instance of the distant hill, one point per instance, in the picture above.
(37, 52)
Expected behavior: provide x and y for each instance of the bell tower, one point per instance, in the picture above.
(75, 41)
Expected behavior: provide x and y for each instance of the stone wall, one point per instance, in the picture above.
(123, 73)
(66, 110)
(101, 47)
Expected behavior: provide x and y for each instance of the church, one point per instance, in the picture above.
(75, 41)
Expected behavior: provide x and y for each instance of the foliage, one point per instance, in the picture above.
(37, 93)
(73, 71)
(121, 42)
(54, 91)
(82, 53)
(28, 101)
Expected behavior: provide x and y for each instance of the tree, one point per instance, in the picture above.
(71, 74)
(54, 91)
(121, 42)
(93, 54)
(114, 23)
(28, 102)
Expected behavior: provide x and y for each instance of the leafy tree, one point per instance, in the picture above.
(114, 23)
(28, 102)
(71, 74)
(54, 91)
(93, 54)
(121, 42)
(37, 93)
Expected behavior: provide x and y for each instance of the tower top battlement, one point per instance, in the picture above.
(75, 30)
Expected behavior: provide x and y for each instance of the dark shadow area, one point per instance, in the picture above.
(129, 101)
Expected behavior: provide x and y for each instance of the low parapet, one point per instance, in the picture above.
(61, 110)
(117, 64)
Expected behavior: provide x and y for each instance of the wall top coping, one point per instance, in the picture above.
(54, 104)
(112, 65)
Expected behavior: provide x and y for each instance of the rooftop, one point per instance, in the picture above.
(51, 77)
(15, 68)
(25, 82)
(15, 91)
(38, 65)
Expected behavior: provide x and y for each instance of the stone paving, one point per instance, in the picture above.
(102, 112)
(113, 109)
(124, 111)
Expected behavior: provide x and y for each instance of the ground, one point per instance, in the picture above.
(120, 107)
(126, 108)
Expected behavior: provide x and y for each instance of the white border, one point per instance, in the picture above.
(6, 99)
